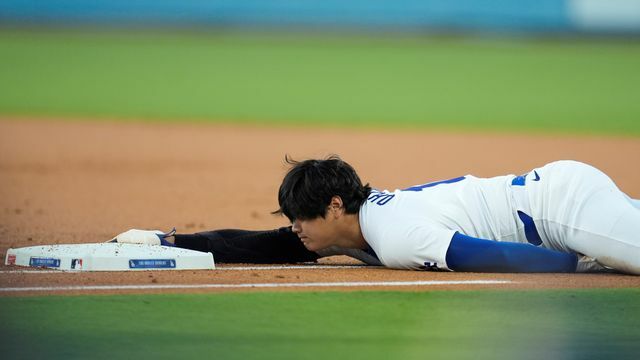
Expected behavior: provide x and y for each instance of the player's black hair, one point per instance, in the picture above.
(307, 189)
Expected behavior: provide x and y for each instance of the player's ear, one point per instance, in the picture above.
(336, 205)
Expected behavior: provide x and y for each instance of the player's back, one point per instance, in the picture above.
(413, 227)
(479, 207)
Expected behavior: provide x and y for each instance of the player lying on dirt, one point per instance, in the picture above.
(565, 216)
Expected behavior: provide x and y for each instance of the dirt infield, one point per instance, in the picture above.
(75, 182)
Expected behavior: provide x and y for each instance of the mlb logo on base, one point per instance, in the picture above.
(76, 264)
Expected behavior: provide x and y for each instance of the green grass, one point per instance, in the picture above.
(510, 84)
(583, 86)
(351, 325)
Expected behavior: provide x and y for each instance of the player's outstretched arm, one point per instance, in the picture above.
(230, 245)
(245, 246)
(471, 254)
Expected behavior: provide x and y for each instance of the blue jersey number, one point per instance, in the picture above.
(428, 185)
(380, 198)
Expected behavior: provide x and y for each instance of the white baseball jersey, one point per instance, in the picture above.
(412, 228)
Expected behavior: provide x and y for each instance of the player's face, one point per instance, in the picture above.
(316, 234)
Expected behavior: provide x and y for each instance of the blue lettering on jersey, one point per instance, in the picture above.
(428, 185)
(379, 198)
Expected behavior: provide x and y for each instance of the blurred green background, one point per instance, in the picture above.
(568, 85)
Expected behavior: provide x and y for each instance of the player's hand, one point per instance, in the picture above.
(147, 237)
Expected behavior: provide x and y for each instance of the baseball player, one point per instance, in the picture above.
(565, 216)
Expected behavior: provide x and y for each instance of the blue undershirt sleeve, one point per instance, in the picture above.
(471, 254)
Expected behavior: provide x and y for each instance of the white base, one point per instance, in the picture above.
(109, 257)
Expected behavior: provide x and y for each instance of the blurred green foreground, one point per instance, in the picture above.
(551, 324)
(571, 86)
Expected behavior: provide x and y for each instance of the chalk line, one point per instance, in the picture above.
(254, 285)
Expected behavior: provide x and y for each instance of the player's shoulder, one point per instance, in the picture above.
(409, 241)
(383, 224)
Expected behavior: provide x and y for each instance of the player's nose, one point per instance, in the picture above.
(295, 227)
